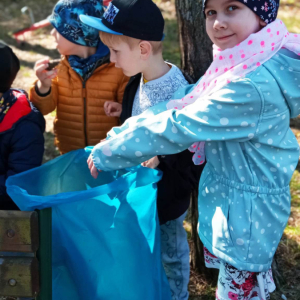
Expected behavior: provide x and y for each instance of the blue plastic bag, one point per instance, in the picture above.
(105, 232)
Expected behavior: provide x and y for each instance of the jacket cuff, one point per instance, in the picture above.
(39, 93)
(97, 161)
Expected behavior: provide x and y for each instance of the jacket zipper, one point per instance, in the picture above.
(84, 100)
(84, 112)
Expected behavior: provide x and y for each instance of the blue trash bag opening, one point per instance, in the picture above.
(54, 180)
(105, 239)
(69, 174)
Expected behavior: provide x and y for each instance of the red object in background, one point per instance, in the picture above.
(20, 109)
(106, 2)
(33, 27)
(41, 24)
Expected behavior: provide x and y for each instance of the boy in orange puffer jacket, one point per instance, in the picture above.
(82, 82)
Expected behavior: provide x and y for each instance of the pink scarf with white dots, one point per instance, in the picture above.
(236, 62)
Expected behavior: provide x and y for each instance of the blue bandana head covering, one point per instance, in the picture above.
(65, 19)
(267, 10)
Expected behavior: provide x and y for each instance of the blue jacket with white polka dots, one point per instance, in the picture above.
(244, 196)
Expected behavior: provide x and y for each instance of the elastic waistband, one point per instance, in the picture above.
(250, 188)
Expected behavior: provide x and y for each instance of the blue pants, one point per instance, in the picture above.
(176, 257)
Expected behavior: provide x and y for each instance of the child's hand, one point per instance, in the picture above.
(93, 170)
(112, 109)
(45, 77)
(152, 163)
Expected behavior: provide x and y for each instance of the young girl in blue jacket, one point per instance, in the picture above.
(237, 115)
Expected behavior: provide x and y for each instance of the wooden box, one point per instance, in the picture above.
(19, 231)
(19, 276)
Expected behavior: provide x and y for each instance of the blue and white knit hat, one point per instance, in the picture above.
(267, 10)
(65, 18)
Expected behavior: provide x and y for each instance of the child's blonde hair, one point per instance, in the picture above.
(112, 39)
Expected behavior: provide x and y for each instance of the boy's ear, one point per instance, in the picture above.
(146, 49)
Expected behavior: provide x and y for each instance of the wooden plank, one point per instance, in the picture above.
(19, 276)
(19, 231)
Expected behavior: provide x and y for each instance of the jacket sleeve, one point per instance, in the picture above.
(231, 114)
(27, 148)
(47, 103)
(2, 186)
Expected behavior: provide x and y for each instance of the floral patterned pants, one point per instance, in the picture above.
(234, 284)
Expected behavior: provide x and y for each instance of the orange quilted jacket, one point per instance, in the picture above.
(80, 118)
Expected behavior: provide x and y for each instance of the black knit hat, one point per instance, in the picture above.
(267, 10)
(9, 67)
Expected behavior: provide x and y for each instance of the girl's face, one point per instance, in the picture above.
(228, 23)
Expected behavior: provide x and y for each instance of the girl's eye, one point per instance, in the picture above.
(210, 12)
(232, 8)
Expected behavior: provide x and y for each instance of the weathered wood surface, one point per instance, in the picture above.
(19, 276)
(19, 231)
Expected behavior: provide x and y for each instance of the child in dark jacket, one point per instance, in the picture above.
(21, 127)
(180, 176)
(137, 49)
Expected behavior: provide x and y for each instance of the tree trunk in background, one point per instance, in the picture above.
(195, 46)
(196, 57)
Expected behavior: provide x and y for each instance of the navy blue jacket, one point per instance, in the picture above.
(21, 142)
(180, 175)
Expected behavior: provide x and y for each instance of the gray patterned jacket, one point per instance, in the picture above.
(152, 92)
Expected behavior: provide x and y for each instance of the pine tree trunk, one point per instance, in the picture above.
(196, 56)
(195, 46)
